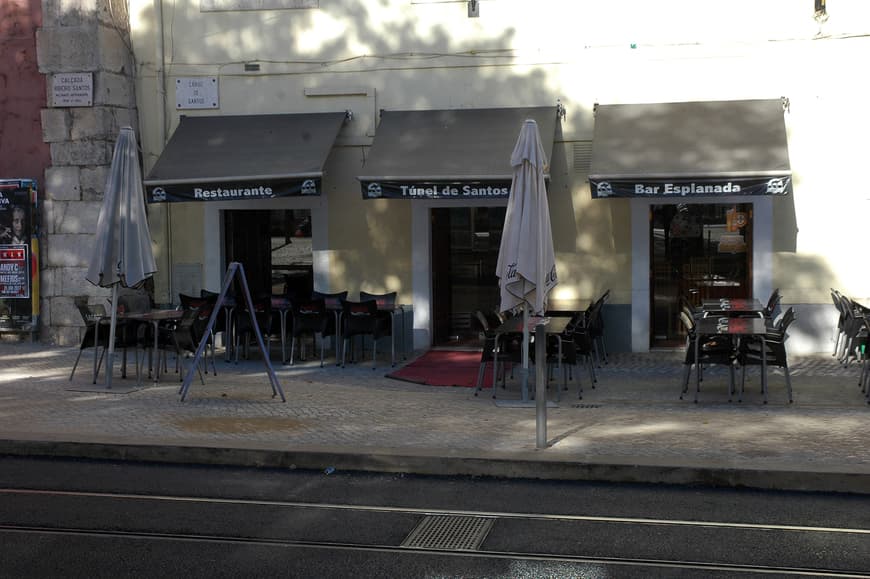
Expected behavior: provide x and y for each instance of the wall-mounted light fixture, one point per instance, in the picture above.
(561, 113)
(473, 8)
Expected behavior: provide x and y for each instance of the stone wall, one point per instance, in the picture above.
(79, 36)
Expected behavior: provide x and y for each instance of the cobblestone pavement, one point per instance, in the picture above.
(630, 427)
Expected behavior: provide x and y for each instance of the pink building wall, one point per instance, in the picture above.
(22, 93)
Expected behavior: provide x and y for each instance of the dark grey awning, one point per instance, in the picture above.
(699, 147)
(215, 158)
(416, 154)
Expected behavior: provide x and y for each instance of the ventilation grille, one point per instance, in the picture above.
(449, 533)
(582, 157)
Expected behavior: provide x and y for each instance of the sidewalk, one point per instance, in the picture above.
(632, 428)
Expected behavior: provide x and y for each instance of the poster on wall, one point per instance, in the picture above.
(19, 268)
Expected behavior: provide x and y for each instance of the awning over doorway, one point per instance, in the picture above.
(691, 149)
(449, 154)
(227, 158)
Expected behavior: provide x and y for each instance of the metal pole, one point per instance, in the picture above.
(525, 353)
(541, 385)
(110, 365)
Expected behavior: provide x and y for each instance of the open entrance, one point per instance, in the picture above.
(274, 247)
(698, 251)
(465, 244)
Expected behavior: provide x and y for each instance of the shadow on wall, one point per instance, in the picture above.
(785, 229)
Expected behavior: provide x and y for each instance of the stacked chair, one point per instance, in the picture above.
(852, 335)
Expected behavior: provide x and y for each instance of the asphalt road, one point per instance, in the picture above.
(66, 518)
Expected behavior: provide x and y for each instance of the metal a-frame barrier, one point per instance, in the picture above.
(235, 268)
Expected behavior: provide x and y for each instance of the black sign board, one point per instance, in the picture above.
(435, 189)
(688, 187)
(241, 191)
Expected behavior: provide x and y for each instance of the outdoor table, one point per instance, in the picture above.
(566, 307)
(732, 306)
(155, 317)
(735, 328)
(394, 310)
(554, 326)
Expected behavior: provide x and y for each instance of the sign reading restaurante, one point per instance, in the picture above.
(232, 191)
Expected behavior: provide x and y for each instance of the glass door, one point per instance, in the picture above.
(275, 248)
(698, 251)
(465, 244)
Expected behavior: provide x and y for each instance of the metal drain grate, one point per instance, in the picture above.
(585, 406)
(449, 533)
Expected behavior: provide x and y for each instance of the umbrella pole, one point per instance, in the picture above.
(525, 377)
(110, 363)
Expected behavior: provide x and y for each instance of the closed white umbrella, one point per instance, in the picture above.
(526, 261)
(122, 252)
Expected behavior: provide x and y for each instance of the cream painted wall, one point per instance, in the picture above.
(369, 241)
(366, 55)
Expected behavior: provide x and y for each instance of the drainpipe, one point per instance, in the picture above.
(161, 128)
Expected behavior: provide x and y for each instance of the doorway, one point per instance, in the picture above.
(275, 248)
(697, 252)
(465, 245)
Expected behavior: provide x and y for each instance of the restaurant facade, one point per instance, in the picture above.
(325, 153)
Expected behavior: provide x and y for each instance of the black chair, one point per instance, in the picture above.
(838, 300)
(310, 318)
(594, 325)
(186, 335)
(386, 311)
(584, 350)
(220, 323)
(772, 303)
(362, 319)
(750, 352)
(334, 303)
(204, 305)
(130, 333)
(855, 333)
(494, 352)
(711, 350)
(243, 329)
(96, 335)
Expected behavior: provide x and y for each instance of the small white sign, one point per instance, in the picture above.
(236, 5)
(72, 89)
(196, 92)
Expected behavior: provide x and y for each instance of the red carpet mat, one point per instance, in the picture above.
(444, 368)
